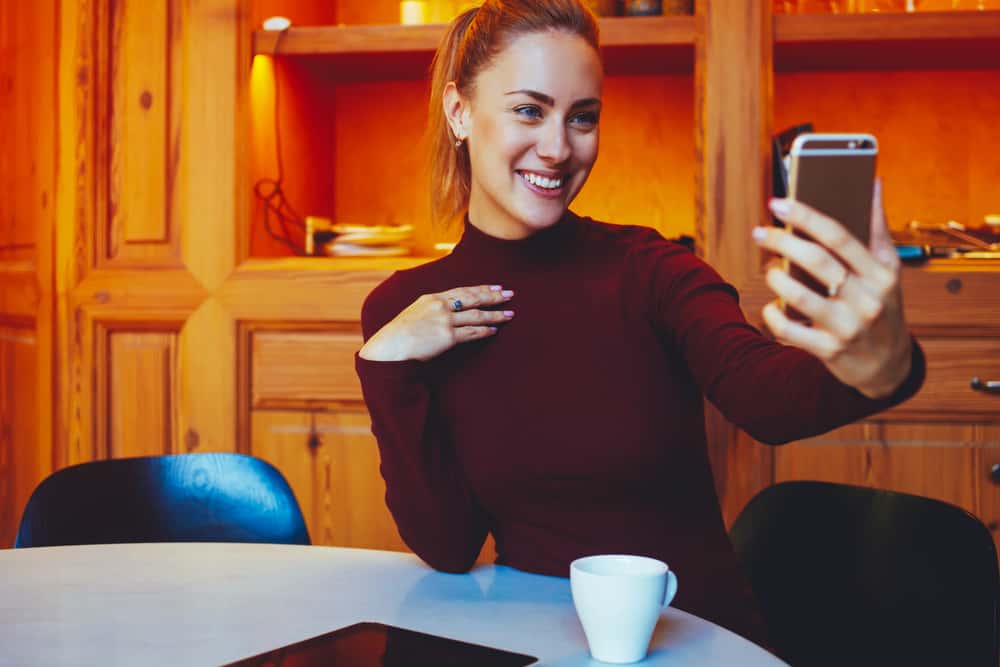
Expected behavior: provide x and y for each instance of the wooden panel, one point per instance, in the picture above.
(18, 424)
(28, 118)
(301, 290)
(935, 460)
(733, 117)
(303, 368)
(141, 408)
(951, 364)
(140, 224)
(336, 478)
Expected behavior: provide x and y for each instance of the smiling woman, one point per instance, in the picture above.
(576, 426)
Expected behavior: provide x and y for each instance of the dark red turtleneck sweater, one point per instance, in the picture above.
(578, 428)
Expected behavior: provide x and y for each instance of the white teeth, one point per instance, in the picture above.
(542, 181)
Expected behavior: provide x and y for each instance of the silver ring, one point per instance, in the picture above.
(834, 290)
(456, 305)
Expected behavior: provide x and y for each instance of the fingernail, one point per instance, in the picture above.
(495, 288)
(508, 314)
(493, 329)
(759, 233)
(780, 206)
(507, 293)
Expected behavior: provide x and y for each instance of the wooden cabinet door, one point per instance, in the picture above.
(144, 228)
(331, 461)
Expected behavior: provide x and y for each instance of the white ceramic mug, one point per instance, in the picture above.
(619, 599)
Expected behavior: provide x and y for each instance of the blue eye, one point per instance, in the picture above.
(585, 119)
(529, 111)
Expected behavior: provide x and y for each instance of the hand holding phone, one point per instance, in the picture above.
(841, 269)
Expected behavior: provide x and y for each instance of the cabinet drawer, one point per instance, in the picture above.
(951, 365)
(298, 368)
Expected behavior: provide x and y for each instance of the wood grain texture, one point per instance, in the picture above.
(337, 482)
(19, 410)
(733, 84)
(207, 377)
(204, 149)
(945, 472)
(142, 393)
(305, 367)
(138, 216)
(27, 112)
(299, 290)
(331, 461)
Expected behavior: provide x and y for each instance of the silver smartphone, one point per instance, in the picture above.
(834, 174)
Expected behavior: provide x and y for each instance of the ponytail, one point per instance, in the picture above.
(451, 178)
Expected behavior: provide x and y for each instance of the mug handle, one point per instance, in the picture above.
(670, 590)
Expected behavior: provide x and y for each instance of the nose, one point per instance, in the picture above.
(553, 145)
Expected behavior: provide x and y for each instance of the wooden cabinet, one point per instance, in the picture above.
(926, 85)
(144, 308)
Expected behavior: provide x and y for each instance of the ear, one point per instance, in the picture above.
(456, 110)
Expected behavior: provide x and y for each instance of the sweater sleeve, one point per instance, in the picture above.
(426, 493)
(774, 392)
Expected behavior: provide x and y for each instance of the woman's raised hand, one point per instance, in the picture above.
(857, 329)
(435, 323)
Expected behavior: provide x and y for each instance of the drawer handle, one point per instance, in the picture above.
(995, 473)
(989, 386)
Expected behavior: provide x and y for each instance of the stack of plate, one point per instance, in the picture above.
(370, 241)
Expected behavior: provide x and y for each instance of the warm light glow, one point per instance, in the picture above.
(277, 23)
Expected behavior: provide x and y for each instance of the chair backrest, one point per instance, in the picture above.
(848, 575)
(211, 497)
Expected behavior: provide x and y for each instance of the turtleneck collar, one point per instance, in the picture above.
(546, 243)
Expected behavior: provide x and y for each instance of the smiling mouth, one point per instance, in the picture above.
(540, 183)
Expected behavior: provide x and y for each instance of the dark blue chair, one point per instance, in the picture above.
(212, 497)
(848, 575)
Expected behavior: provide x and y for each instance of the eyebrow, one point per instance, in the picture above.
(545, 99)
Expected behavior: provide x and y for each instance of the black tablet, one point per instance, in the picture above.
(378, 645)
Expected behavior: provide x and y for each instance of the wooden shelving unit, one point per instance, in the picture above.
(641, 45)
(932, 40)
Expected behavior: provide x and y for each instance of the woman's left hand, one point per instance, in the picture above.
(857, 329)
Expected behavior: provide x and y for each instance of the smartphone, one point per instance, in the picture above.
(834, 174)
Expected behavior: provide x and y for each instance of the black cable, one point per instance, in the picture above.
(269, 190)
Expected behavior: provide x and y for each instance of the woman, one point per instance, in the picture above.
(544, 382)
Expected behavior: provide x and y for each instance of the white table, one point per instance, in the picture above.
(207, 604)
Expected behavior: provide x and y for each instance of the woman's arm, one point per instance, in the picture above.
(435, 512)
(777, 393)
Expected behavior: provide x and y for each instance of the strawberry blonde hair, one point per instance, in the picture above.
(472, 42)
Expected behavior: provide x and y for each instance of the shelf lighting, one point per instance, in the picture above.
(277, 24)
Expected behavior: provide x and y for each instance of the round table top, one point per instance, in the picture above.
(210, 603)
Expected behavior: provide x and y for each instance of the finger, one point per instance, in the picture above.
(818, 342)
(830, 234)
(466, 334)
(833, 315)
(811, 257)
(475, 296)
(881, 243)
(481, 317)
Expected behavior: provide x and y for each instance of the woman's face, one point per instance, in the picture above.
(532, 128)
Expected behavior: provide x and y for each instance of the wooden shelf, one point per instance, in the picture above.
(931, 40)
(640, 45)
